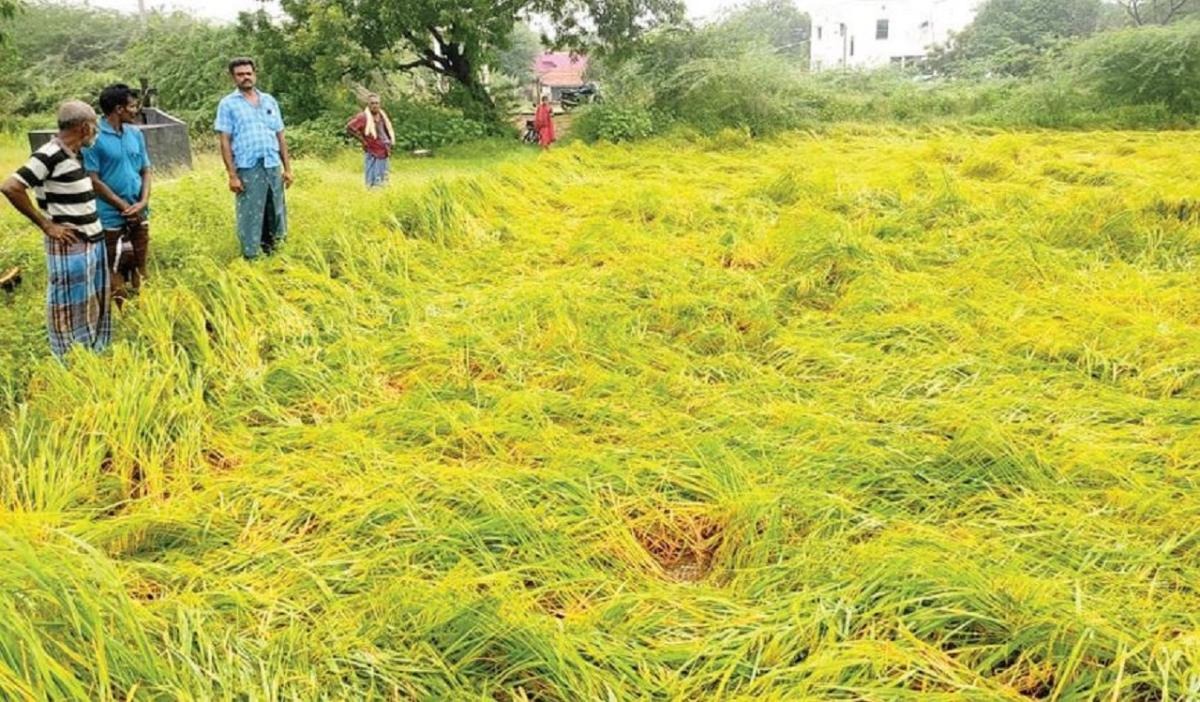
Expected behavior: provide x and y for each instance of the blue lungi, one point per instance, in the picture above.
(77, 296)
(261, 210)
(376, 170)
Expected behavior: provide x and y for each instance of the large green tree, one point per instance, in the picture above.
(457, 38)
(306, 59)
(45, 58)
(777, 25)
(185, 59)
(1032, 22)
(517, 58)
(1143, 12)
(1010, 36)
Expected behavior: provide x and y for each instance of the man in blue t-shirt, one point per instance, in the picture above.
(249, 126)
(120, 171)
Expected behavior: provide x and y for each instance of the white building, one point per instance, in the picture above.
(878, 33)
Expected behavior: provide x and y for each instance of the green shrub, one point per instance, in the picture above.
(1051, 103)
(421, 126)
(1144, 66)
(321, 137)
(417, 126)
(756, 90)
(615, 122)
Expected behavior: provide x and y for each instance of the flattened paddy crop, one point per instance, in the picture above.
(866, 415)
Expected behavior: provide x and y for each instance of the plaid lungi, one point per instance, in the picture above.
(376, 170)
(77, 296)
(261, 210)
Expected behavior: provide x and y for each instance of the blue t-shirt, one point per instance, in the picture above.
(253, 130)
(119, 160)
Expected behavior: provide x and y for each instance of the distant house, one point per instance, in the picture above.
(879, 33)
(559, 71)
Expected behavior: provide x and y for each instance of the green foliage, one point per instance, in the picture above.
(417, 126)
(310, 72)
(319, 138)
(59, 83)
(1032, 22)
(452, 38)
(521, 48)
(49, 31)
(186, 60)
(718, 77)
(757, 90)
(894, 96)
(1018, 37)
(742, 72)
(615, 122)
(1134, 78)
(711, 78)
(1147, 12)
(420, 126)
(305, 65)
(776, 25)
(49, 59)
(1150, 65)
(8, 10)
(1053, 103)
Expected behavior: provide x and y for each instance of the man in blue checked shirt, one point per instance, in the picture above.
(250, 127)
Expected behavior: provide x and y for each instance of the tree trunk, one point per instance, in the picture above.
(475, 99)
(447, 58)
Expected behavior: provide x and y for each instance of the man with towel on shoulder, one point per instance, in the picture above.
(373, 130)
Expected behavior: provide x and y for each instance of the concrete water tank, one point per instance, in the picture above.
(166, 140)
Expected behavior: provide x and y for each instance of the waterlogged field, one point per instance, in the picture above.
(867, 415)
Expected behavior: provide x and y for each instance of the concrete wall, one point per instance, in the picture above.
(167, 140)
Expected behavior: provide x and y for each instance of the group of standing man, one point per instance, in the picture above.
(84, 240)
(92, 186)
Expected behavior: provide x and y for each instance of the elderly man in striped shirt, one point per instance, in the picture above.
(77, 305)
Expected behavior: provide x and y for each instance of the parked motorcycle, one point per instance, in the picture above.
(574, 97)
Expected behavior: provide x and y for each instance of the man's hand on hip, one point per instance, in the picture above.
(61, 233)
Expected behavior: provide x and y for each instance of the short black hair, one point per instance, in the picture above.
(116, 95)
(241, 61)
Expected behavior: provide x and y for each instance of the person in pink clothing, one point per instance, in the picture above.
(543, 122)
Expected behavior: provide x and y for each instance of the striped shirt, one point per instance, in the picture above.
(63, 190)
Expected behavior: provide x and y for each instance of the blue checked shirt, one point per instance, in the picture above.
(252, 130)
